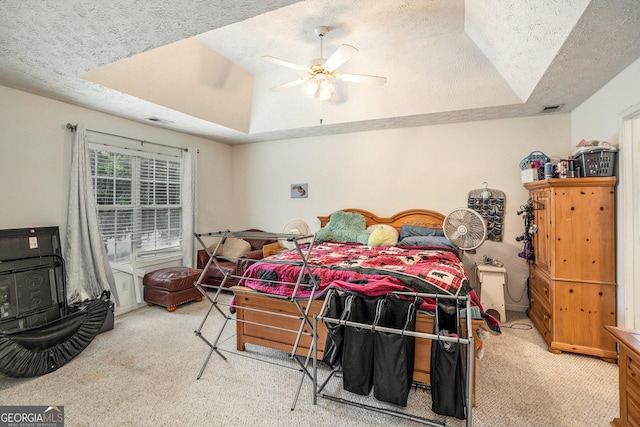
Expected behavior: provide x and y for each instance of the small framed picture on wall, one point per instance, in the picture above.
(299, 191)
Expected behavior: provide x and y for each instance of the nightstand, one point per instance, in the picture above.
(492, 280)
(272, 249)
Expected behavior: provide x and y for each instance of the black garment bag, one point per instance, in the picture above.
(332, 354)
(447, 376)
(357, 350)
(394, 353)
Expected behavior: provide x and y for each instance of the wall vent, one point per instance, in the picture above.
(551, 108)
(158, 120)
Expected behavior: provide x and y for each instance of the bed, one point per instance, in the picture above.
(255, 300)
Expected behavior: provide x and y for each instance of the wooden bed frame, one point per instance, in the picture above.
(249, 329)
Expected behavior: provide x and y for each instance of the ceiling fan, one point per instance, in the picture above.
(322, 71)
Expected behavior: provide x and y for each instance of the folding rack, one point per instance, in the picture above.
(295, 239)
(468, 341)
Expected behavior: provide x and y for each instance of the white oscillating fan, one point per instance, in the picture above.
(465, 228)
(295, 226)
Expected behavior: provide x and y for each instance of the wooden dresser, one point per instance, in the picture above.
(629, 380)
(572, 290)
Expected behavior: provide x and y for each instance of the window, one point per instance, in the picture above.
(139, 201)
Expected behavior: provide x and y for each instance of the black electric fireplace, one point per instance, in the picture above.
(32, 282)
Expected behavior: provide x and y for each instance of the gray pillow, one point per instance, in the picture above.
(426, 241)
(414, 230)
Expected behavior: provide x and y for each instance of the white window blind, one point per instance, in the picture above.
(139, 201)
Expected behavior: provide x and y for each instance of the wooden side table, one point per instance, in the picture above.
(629, 375)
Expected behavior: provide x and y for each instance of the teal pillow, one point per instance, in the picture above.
(343, 227)
(363, 237)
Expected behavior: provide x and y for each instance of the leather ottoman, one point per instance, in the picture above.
(170, 287)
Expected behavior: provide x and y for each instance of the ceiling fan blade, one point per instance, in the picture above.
(290, 84)
(340, 56)
(362, 78)
(284, 63)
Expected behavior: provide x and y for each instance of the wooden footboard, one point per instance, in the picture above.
(250, 330)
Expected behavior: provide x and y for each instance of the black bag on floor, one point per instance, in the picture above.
(357, 351)
(394, 353)
(43, 349)
(447, 377)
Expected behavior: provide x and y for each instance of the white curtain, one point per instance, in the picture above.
(87, 266)
(189, 208)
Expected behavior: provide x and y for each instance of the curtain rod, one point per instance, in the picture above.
(73, 129)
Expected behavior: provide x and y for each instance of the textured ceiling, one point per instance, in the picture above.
(196, 66)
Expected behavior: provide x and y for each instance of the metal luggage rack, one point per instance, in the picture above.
(309, 364)
(303, 317)
(468, 341)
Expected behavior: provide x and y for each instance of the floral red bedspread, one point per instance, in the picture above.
(372, 271)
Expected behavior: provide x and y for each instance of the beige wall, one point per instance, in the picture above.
(35, 150)
(185, 83)
(388, 171)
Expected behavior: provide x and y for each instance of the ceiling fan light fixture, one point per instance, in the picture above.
(320, 88)
(325, 90)
(311, 88)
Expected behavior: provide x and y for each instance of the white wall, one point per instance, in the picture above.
(35, 150)
(601, 118)
(389, 171)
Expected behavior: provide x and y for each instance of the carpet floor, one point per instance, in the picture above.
(143, 373)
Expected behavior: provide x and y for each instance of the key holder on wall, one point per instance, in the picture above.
(490, 204)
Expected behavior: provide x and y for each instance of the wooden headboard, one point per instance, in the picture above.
(420, 217)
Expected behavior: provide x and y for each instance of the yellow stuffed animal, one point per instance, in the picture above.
(383, 236)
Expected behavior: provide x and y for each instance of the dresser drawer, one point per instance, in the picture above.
(633, 411)
(633, 375)
(539, 310)
(632, 390)
(540, 286)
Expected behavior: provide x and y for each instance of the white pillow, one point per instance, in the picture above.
(232, 248)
